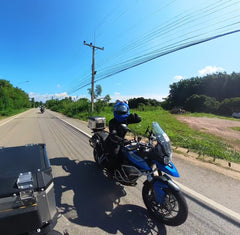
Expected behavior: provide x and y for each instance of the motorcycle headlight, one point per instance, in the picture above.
(167, 159)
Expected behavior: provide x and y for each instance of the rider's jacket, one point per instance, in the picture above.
(117, 133)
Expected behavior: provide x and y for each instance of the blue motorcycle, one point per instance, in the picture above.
(153, 159)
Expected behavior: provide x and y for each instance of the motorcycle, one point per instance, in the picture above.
(152, 159)
(42, 109)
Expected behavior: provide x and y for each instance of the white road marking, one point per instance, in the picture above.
(210, 202)
(75, 127)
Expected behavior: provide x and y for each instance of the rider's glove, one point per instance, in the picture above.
(126, 142)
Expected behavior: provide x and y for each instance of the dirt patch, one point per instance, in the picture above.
(215, 126)
(218, 127)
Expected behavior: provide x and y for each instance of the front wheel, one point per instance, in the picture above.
(172, 210)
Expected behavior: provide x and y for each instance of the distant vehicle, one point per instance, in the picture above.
(236, 115)
(42, 109)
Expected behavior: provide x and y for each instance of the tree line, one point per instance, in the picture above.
(82, 106)
(217, 93)
(12, 98)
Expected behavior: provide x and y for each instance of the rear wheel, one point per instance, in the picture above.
(172, 211)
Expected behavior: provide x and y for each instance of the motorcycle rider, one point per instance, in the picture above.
(42, 108)
(117, 132)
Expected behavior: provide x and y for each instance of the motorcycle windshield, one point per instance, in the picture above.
(162, 139)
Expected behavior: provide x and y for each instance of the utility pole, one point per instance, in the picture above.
(93, 69)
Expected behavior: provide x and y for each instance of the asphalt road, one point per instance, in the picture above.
(91, 204)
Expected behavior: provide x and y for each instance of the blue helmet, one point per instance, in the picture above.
(121, 111)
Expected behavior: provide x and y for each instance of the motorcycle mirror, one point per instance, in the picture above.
(147, 130)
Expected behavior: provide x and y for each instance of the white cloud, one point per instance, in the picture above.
(61, 95)
(178, 77)
(210, 70)
(118, 96)
(45, 97)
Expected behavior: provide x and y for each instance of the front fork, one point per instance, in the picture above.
(159, 183)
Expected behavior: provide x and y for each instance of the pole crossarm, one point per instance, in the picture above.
(91, 45)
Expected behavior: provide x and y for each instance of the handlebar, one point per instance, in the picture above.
(130, 145)
(147, 130)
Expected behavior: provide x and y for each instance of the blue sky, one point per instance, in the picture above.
(42, 51)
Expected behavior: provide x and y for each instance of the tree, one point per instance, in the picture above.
(107, 98)
(229, 106)
(201, 103)
(135, 102)
(100, 102)
(12, 98)
(97, 92)
(219, 86)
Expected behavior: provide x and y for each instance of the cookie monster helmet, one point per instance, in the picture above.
(121, 111)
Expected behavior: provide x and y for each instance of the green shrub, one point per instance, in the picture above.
(201, 103)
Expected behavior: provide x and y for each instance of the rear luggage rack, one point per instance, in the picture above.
(25, 184)
(97, 123)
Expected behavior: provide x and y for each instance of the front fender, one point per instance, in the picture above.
(159, 185)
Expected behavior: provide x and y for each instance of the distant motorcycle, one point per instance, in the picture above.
(42, 109)
(162, 197)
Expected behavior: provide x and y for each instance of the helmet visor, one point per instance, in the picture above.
(121, 109)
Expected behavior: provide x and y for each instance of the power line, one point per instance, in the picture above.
(177, 23)
(162, 54)
(175, 27)
(168, 52)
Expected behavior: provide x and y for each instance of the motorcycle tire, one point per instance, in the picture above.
(173, 211)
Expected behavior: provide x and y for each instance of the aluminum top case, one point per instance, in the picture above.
(97, 123)
(27, 197)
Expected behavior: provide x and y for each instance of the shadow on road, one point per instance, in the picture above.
(97, 201)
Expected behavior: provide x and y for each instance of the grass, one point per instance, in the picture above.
(236, 128)
(181, 134)
(8, 113)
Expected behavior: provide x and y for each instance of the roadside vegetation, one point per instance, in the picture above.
(8, 113)
(13, 100)
(212, 96)
(215, 94)
(182, 135)
(236, 128)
